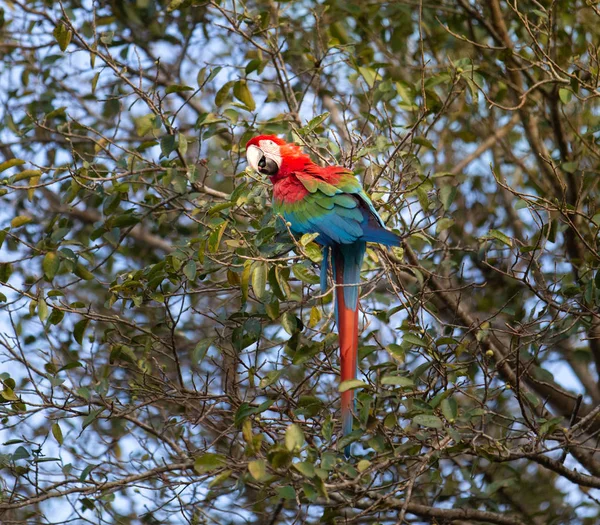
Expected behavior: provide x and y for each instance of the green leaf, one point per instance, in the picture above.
(145, 124)
(245, 410)
(173, 5)
(565, 95)
(259, 281)
(82, 272)
(87, 504)
(447, 195)
(123, 220)
(214, 240)
(57, 433)
(178, 88)
(201, 348)
(182, 146)
(500, 483)
(26, 174)
(219, 479)
(363, 465)
(314, 252)
(289, 323)
(202, 73)
(63, 36)
(10, 163)
(20, 220)
(245, 280)
(5, 272)
(422, 141)
(217, 208)
(256, 64)
(350, 438)
(305, 468)
(287, 493)
(279, 282)
(312, 125)
(304, 274)
(20, 453)
(308, 406)
(258, 469)
(208, 462)
(85, 472)
(449, 408)
(294, 438)
(167, 145)
(71, 365)
(223, 93)
(533, 399)
(95, 81)
(520, 204)
(242, 93)
(428, 420)
(443, 224)
(79, 330)
(550, 425)
(189, 270)
(42, 310)
(272, 309)
(315, 317)
(414, 339)
(121, 353)
(369, 75)
(270, 378)
(308, 238)
(397, 352)
(50, 265)
(499, 236)
(352, 384)
(8, 394)
(90, 418)
(397, 381)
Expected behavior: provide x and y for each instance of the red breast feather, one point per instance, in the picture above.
(289, 189)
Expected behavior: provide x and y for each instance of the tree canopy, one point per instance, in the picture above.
(167, 355)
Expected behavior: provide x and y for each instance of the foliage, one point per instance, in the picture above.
(167, 355)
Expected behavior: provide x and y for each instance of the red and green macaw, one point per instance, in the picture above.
(329, 201)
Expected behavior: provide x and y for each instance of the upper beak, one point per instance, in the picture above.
(254, 154)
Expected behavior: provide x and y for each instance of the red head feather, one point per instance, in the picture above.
(255, 141)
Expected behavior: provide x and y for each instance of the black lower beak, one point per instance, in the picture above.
(267, 166)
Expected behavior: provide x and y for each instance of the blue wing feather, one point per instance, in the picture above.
(345, 220)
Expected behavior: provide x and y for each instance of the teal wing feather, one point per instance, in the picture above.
(342, 214)
(331, 211)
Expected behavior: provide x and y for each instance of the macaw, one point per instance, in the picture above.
(329, 201)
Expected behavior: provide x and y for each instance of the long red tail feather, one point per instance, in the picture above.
(347, 319)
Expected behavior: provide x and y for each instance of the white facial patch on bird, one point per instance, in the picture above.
(271, 151)
(264, 158)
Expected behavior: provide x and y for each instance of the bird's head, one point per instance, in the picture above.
(274, 157)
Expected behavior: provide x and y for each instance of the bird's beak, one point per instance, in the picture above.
(254, 154)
